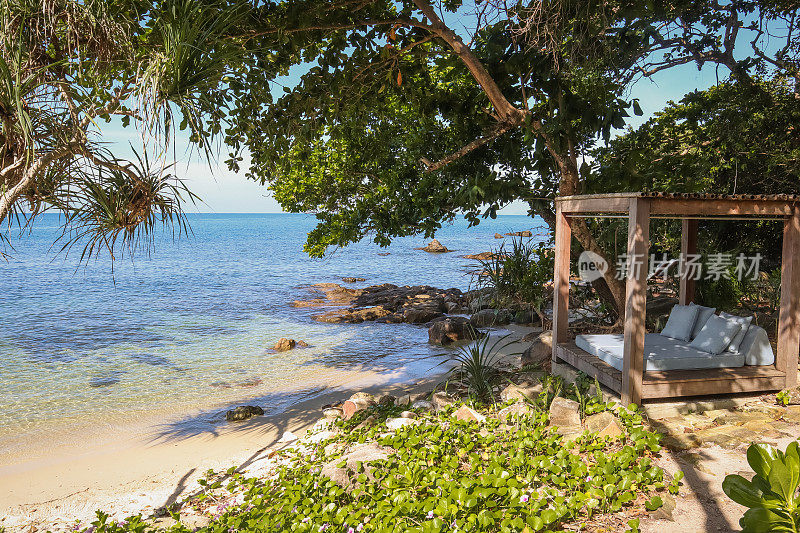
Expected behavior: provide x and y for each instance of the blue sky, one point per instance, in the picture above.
(222, 191)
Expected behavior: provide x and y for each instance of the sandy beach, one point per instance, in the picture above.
(135, 469)
(139, 468)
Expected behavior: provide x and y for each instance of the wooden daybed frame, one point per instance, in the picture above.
(633, 384)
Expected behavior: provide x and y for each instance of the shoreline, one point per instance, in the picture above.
(134, 470)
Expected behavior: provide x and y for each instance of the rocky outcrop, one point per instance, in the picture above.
(384, 303)
(490, 317)
(525, 233)
(450, 330)
(284, 345)
(483, 256)
(353, 280)
(243, 412)
(434, 247)
(498, 236)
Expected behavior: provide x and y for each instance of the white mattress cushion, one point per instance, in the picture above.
(661, 353)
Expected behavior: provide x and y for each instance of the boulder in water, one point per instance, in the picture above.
(243, 412)
(435, 247)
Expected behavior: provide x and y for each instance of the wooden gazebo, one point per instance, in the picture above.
(633, 384)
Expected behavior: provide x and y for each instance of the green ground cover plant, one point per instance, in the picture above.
(446, 475)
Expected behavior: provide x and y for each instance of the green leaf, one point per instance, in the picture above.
(742, 491)
(760, 458)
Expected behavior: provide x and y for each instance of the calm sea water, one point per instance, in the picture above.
(191, 324)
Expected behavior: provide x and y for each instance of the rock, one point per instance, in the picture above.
(665, 511)
(520, 392)
(284, 345)
(397, 423)
(353, 316)
(408, 414)
(422, 404)
(450, 330)
(515, 410)
(288, 436)
(604, 424)
(434, 247)
(302, 344)
(483, 256)
(490, 317)
(540, 351)
(353, 280)
(332, 412)
(357, 402)
(498, 236)
(422, 314)
(360, 454)
(532, 336)
(441, 400)
(405, 399)
(367, 422)
(564, 413)
(243, 412)
(320, 436)
(468, 414)
(386, 400)
(524, 233)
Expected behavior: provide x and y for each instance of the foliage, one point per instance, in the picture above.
(783, 397)
(520, 277)
(478, 366)
(771, 496)
(723, 294)
(448, 474)
(68, 68)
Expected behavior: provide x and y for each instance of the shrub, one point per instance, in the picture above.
(478, 366)
(519, 277)
(772, 493)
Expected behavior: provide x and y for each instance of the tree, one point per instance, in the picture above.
(68, 66)
(399, 122)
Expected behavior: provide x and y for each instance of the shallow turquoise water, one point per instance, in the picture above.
(191, 324)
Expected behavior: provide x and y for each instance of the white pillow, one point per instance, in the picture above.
(680, 322)
(716, 335)
(703, 314)
(744, 322)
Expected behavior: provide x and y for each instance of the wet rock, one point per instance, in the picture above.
(353, 316)
(525, 233)
(514, 410)
(243, 412)
(284, 345)
(353, 280)
(422, 314)
(435, 247)
(520, 392)
(498, 236)
(490, 317)
(469, 414)
(564, 414)
(540, 352)
(450, 330)
(441, 400)
(483, 256)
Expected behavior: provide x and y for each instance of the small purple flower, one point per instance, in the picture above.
(351, 530)
(430, 515)
(306, 519)
(524, 498)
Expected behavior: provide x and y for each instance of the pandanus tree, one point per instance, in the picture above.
(68, 68)
(410, 111)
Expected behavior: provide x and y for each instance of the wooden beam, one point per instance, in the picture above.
(789, 315)
(688, 247)
(720, 207)
(635, 299)
(563, 241)
(595, 205)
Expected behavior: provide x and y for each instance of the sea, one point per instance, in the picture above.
(189, 325)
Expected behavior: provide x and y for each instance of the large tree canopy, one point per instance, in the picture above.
(411, 111)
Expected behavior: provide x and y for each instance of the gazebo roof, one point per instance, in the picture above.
(683, 204)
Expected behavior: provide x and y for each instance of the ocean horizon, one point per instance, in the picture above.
(190, 325)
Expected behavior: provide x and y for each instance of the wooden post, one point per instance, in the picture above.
(688, 247)
(563, 240)
(635, 300)
(789, 316)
